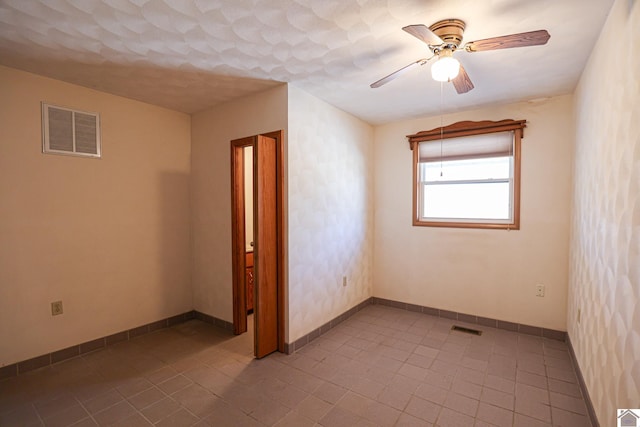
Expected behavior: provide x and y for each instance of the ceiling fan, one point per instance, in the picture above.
(445, 37)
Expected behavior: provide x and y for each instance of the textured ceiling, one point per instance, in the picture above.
(189, 55)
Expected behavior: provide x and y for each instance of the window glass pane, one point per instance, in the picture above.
(467, 200)
(470, 169)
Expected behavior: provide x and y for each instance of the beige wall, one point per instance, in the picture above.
(212, 131)
(604, 283)
(330, 212)
(488, 273)
(109, 237)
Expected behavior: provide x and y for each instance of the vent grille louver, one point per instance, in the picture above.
(86, 140)
(60, 130)
(67, 131)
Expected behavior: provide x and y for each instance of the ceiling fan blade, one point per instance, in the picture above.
(423, 33)
(462, 82)
(395, 74)
(532, 38)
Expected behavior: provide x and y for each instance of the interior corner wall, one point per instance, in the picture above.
(212, 132)
(489, 273)
(330, 190)
(109, 237)
(604, 291)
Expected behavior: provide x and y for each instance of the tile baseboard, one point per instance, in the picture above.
(290, 348)
(583, 386)
(478, 320)
(212, 320)
(453, 315)
(462, 317)
(25, 366)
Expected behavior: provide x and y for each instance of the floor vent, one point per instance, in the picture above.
(466, 330)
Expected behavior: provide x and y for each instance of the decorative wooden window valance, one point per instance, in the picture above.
(466, 128)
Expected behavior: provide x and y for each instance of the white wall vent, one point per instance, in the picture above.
(66, 131)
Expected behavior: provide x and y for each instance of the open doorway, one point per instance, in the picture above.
(248, 227)
(266, 298)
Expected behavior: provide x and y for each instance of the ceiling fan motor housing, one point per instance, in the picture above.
(450, 31)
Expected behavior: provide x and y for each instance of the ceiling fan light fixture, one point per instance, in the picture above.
(446, 68)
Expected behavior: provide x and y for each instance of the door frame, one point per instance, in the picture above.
(238, 245)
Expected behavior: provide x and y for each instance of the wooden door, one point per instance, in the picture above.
(266, 250)
(268, 189)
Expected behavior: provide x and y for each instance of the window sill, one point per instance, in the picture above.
(478, 225)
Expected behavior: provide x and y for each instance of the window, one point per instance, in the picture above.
(468, 175)
(66, 131)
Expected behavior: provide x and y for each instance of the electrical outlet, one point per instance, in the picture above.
(539, 290)
(56, 308)
(344, 280)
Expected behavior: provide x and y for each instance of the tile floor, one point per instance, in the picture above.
(382, 367)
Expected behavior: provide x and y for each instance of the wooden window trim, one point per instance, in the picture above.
(470, 128)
